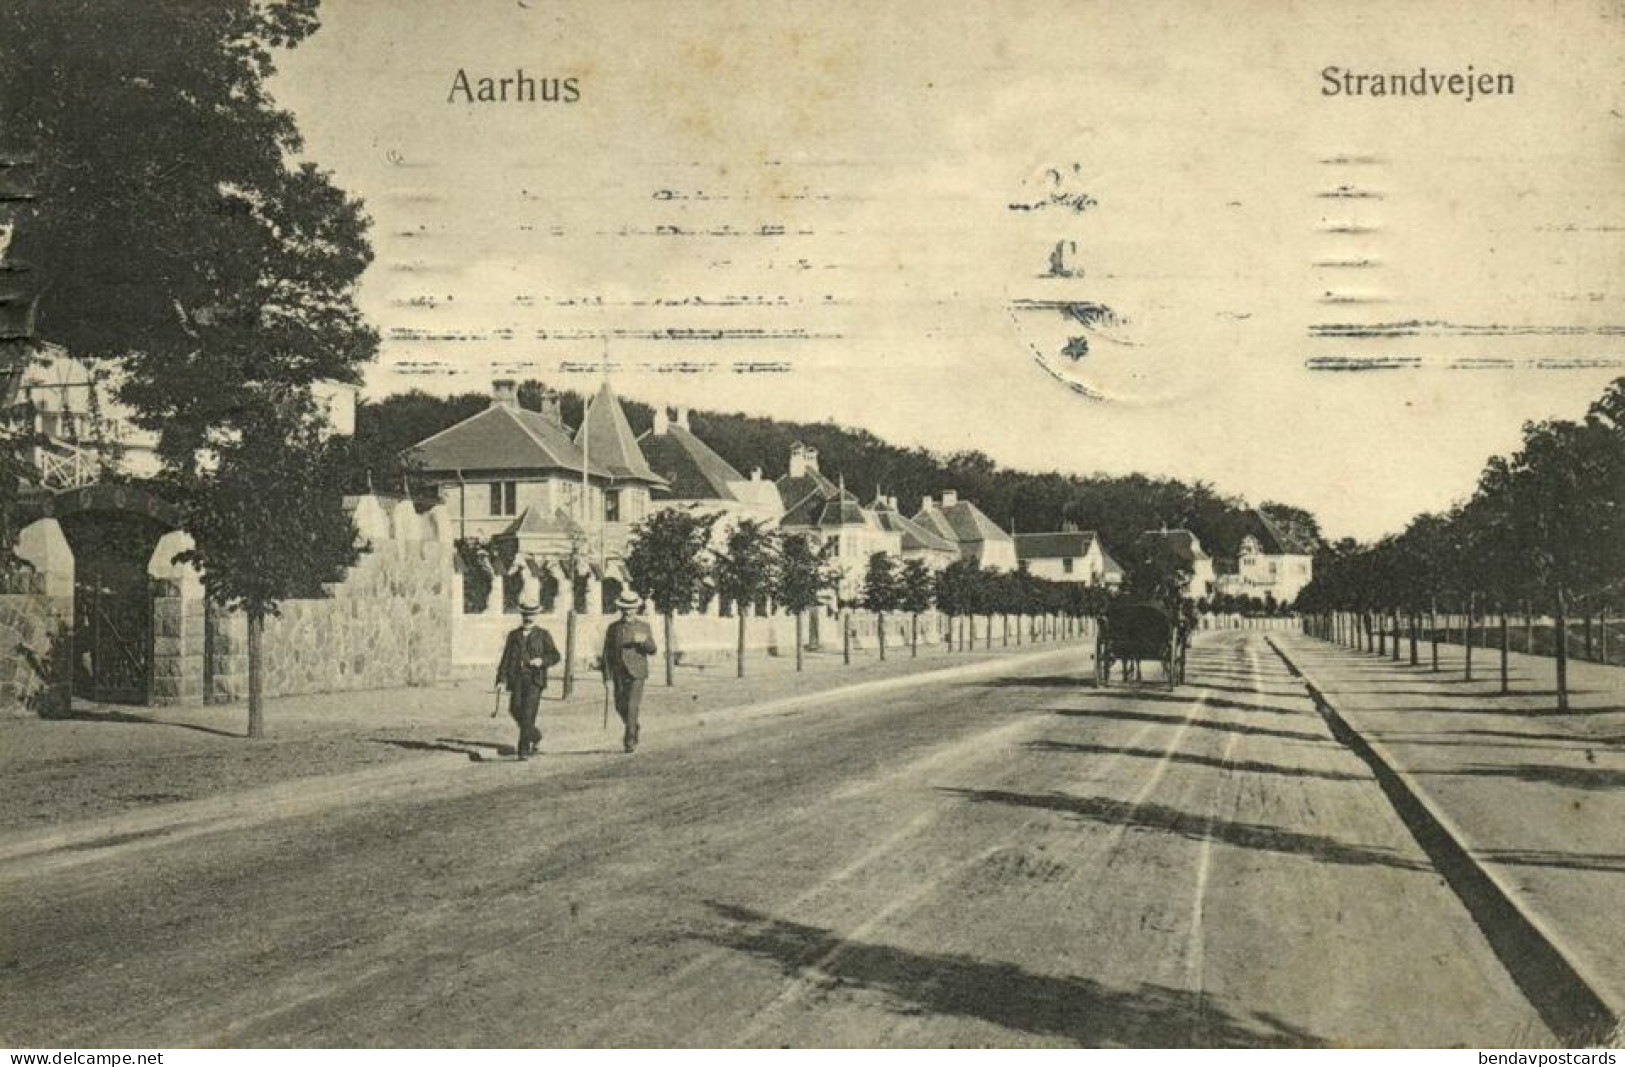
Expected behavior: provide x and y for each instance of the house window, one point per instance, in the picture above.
(612, 505)
(504, 498)
(1066, 565)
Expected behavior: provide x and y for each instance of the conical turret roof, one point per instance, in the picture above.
(607, 439)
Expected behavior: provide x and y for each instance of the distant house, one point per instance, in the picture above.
(918, 542)
(699, 479)
(1272, 561)
(826, 512)
(980, 539)
(520, 479)
(86, 433)
(1070, 555)
(1188, 548)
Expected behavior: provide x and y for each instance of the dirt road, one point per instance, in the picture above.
(1017, 860)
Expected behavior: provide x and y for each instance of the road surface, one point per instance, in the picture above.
(1017, 860)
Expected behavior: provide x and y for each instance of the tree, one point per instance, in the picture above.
(666, 560)
(267, 523)
(743, 572)
(914, 585)
(953, 594)
(172, 227)
(1155, 571)
(802, 577)
(880, 592)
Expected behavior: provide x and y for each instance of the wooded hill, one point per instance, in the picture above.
(1119, 507)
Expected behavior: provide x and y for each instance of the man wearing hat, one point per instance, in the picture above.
(526, 656)
(628, 644)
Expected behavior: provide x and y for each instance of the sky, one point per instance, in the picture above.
(882, 214)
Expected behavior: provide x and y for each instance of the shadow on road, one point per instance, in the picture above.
(1249, 766)
(1064, 1006)
(458, 748)
(1201, 724)
(127, 718)
(1571, 777)
(1196, 692)
(1196, 827)
(1573, 861)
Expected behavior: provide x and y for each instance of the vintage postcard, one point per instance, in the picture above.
(582, 523)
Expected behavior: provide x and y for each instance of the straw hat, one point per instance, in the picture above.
(629, 601)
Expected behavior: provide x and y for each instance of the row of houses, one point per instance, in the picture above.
(556, 499)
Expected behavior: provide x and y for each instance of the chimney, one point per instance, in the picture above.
(950, 497)
(1069, 526)
(549, 407)
(662, 424)
(682, 417)
(756, 474)
(803, 459)
(504, 393)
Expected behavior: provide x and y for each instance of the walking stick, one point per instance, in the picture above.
(496, 706)
(606, 705)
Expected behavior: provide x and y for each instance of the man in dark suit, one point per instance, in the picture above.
(628, 644)
(526, 656)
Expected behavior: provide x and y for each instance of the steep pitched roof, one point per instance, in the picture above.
(916, 538)
(610, 442)
(1065, 544)
(535, 523)
(1110, 567)
(932, 519)
(1274, 539)
(692, 470)
(963, 521)
(503, 437)
(1181, 541)
(813, 500)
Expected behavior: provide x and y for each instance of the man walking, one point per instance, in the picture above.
(526, 656)
(628, 644)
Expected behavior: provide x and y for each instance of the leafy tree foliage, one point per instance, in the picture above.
(268, 523)
(1546, 524)
(172, 224)
(743, 572)
(666, 558)
(804, 574)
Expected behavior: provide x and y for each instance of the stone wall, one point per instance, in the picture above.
(36, 652)
(386, 625)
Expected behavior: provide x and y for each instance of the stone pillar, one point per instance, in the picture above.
(179, 621)
(227, 656)
(42, 544)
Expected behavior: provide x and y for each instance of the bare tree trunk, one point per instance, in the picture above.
(1562, 651)
(846, 638)
(1433, 630)
(671, 656)
(1394, 618)
(1411, 626)
(567, 684)
(1467, 635)
(256, 674)
(914, 635)
(799, 617)
(1528, 629)
(1506, 649)
(739, 661)
(1602, 635)
(1587, 624)
(880, 632)
(987, 641)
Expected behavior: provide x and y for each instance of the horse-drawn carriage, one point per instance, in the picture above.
(1129, 633)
